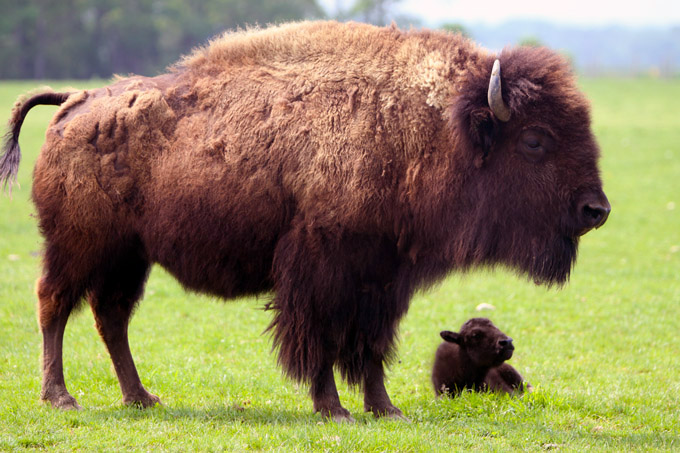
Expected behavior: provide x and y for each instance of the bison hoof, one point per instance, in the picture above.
(388, 412)
(63, 401)
(337, 414)
(142, 401)
(343, 418)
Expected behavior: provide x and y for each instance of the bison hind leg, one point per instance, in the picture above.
(115, 291)
(55, 305)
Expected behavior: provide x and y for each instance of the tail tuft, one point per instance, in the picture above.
(9, 162)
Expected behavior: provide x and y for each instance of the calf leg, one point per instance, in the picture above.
(112, 301)
(376, 399)
(504, 378)
(54, 309)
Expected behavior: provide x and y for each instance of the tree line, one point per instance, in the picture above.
(54, 39)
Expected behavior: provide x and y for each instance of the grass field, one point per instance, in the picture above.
(603, 353)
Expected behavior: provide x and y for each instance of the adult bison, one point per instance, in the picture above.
(342, 166)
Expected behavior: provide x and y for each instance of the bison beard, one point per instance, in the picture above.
(341, 165)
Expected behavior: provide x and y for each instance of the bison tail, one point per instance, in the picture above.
(9, 161)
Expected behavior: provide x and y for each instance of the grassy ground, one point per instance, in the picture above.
(602, 353)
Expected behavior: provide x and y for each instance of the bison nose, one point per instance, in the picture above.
(506, 344)
(594, 213)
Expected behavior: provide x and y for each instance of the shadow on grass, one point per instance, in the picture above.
(228, 414)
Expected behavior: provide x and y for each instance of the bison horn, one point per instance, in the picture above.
(495, 94)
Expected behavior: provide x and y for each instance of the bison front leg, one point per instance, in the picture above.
(305, 327)
(307, 358)
(325, 396)
(376, 399)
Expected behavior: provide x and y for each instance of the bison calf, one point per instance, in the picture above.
(473, 359)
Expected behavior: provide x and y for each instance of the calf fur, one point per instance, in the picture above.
(474, 359)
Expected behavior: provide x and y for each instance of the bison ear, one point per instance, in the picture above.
(451, 337)
(483, 129)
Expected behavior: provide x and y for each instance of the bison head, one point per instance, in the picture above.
(482, 342)
(532, 186)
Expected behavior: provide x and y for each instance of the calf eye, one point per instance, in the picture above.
(476, 335)
(532, 144)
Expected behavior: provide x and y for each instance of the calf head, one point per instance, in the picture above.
(482, 342)
(523, 130)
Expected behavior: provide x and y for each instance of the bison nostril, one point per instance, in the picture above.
(596, 214)
(505, 343)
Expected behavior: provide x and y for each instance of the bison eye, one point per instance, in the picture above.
(532, 144)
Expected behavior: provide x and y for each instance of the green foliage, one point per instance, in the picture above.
(602, 352)
(530, 41)
(371, 11)
(97, 38)
(456, 28)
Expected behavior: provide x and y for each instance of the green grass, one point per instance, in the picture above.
(602, 353)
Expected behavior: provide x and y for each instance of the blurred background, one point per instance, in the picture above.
(82, 39)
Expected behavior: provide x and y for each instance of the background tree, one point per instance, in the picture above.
(530, 41)
(370, 11)
(97, 38)
(456, 28)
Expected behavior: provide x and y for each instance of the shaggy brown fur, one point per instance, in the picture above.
(473, 359)
(341, 165)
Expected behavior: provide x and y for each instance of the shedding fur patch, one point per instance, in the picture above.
(434, 77)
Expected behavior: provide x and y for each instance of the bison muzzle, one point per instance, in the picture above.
(341, 166)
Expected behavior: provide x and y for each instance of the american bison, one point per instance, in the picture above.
(340, 166)
(474, 359)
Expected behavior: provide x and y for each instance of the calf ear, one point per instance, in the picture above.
(451, 337)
